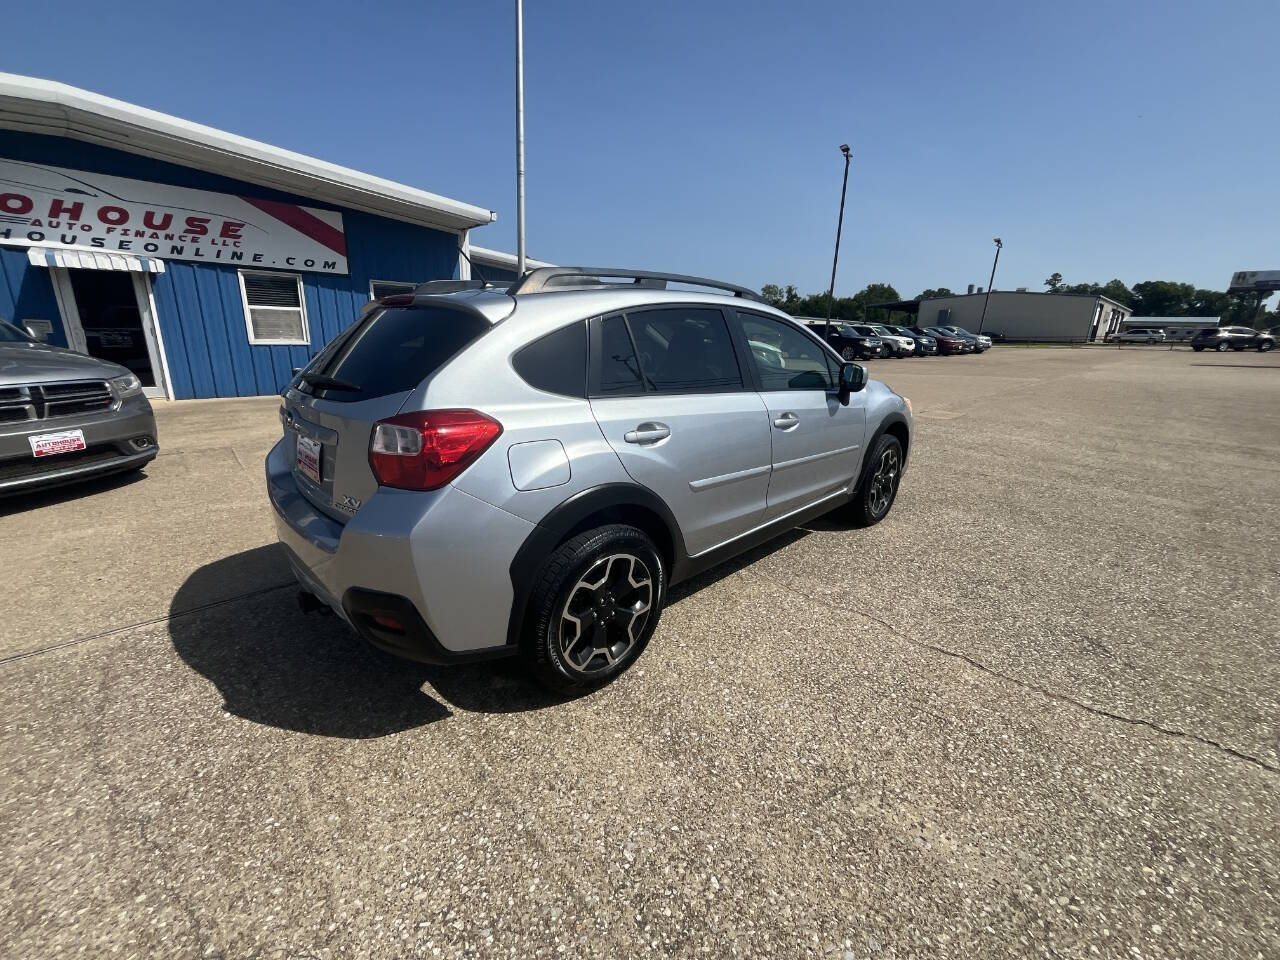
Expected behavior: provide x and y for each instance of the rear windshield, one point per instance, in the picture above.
(394, 350)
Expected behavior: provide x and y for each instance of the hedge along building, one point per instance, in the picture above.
(209, 264)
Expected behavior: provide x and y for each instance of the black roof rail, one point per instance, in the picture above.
(544, 278)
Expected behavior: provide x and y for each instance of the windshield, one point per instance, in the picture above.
(866, 331)
(11, 334)
(883, 331)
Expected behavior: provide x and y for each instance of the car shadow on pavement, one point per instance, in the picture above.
(236, 622)
(20, 502)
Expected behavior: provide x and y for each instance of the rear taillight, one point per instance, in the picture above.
(427, 449)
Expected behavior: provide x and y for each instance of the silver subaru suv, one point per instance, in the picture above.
(471, 472)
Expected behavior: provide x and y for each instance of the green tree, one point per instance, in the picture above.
(1162, 298)
(1209, 303)
(933, 292)
(1117, 291)
(784, 298)
(1053, 282)
(874, 293)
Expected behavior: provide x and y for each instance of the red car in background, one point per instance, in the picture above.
(948, 343)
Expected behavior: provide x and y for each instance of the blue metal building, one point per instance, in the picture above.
(210, 264)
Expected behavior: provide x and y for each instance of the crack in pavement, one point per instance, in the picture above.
(1046, 692)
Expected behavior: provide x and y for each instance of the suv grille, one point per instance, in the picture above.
(45, 401)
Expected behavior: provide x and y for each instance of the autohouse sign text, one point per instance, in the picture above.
(49, 206)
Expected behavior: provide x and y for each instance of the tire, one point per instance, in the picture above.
(1197, 349)
(849, 354)
(1223, 347)
(568, 598)
(1265, 345)
(872, 503)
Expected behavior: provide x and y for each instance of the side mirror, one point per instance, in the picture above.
(853, 377)
(39, 330)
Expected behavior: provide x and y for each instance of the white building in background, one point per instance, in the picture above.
(1023, 315)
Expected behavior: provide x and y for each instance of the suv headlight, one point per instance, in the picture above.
(126, 386)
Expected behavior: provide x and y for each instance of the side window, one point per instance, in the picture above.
(556, 363)
(785, 359)
(617, 368)
(685, 350)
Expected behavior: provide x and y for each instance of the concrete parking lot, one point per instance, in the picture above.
(1035, 712)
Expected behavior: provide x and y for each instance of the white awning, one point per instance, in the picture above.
(92, 260)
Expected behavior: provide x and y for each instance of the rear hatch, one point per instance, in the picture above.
(364, 376)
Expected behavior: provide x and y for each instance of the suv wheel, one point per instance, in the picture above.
(875, 495)
(1266, 345)
(849, 353)
(1223, 347)
(594, 607)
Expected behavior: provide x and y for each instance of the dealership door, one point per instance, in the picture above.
(107, 313)
(111, 320)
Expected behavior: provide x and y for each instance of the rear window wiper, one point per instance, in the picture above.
(322, 382)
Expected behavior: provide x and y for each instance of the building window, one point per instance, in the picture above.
(389, 288)
(274, 309)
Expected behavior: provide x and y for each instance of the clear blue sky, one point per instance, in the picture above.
(1133, 140)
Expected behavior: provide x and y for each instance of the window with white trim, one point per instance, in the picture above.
(275, 311)
(388, 288)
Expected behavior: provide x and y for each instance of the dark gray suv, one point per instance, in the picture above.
(65, 416)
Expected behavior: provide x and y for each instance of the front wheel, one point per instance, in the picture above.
(594, 607)
(1265, 345)
(1224, 347)
(879, 487)
(849, 354)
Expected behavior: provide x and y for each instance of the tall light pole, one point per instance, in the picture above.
(519, 138)
(831, 291)
(987, 299)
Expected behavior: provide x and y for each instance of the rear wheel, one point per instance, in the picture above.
(1197, 349)
(594, 607)
(1223, 347)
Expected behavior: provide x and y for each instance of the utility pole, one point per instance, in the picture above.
(831, 291)
(519, 138)
(986, 300)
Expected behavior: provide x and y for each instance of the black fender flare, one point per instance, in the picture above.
(569, 514)
(895, 416)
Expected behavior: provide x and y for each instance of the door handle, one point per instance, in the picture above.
(786, 421)
(647, 433)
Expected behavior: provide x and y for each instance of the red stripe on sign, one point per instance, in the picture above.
(307, 224)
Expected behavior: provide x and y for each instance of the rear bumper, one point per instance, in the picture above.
(120, 439)
(444, 554)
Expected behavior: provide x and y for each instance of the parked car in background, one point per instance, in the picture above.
(981, 342)
(847, 341)
(1223, 339)
(479, 474)
(926, 345)
(65, 416)
(948, 343)
(899, 344)
(1140, 335)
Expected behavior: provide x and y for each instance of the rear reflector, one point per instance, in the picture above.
(426, 449)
